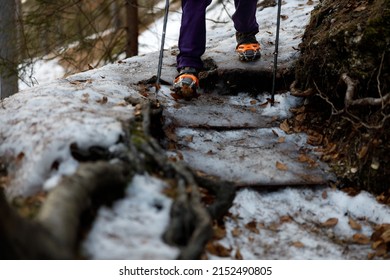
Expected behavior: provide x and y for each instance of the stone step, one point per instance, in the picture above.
(238, 139)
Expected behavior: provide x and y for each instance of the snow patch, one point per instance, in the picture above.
(289, 223)
(133, 227)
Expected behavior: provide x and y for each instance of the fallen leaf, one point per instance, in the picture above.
(376, 244)
(253, 110)
(354, 224)
(362, 152)
(236, 232)
(386, 236)
(284, 17)
(300, 117)
(252, 226)
(253, 101)
(360, 8)
(382, 227)
(285, 126)
(324, 195)
(298, 110)
(315, 139)
(20, 157)
(274, 227)
(282, 139)
(122, 103)
(238, 255)
(381, 198)
(285, 219)
(189, 138)
(381, 250)
(103, 100)
(180, 155)
(219, 232)
(360, 238)
(332, 222)
(303, 158)
(172, 159)
(281, 166)
(264, 104)
(217, 249)
(298, 244)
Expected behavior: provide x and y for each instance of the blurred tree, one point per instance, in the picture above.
(81, 33)
(8, 48)
(132, 27)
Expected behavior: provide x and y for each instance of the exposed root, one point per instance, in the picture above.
(61, 212)
(299, 93)
(367, 101)
(58, 224)
(190, 227)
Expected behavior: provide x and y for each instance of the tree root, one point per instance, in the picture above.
(367, 101)
(61, 212)
(190, 226)
(23, 239)
(299, 93)
(54, 234)
(224, 192)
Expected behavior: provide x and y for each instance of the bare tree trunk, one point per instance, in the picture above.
(132, 27)
(115, 11)
(8, 48)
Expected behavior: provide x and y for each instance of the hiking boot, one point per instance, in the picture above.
(248, 48)
(186, 83)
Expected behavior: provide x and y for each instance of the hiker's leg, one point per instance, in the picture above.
(244, 17)
(192, 38)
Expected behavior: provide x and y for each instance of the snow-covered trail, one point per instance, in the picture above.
(227, 136)
(237, 138)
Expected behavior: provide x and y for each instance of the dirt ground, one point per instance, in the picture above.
(344, 73)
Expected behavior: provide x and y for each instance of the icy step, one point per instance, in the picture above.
(252, 157)
(227, 111)
(238, 139)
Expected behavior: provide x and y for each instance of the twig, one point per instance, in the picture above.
(335, 111)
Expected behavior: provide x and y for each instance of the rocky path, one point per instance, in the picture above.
(284, 207)
(239, 138)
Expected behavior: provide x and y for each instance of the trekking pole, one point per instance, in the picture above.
(162, 46)
(276, 52)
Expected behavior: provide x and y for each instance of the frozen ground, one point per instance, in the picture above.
(304, 222)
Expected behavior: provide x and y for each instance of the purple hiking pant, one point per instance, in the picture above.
(192, 39)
